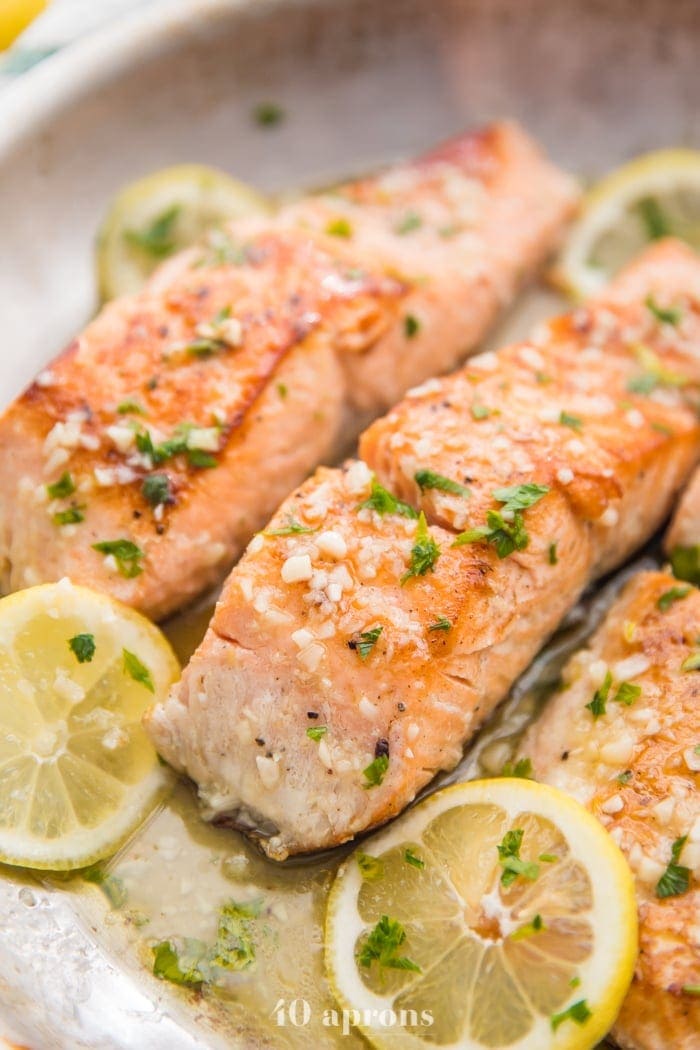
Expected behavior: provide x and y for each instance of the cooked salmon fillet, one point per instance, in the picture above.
(173, 426)
(356, 646)
(636, 766)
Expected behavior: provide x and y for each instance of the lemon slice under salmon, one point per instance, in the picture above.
(495, 914)
(655, 195)
(153, 218)
(77, 772)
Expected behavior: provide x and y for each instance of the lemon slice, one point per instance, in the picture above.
(497, 913)
(15, 16)
(77, 771)
(654, 196)
(151, 219)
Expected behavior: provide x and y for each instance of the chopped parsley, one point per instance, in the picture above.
(424, 553)
(691, 989)
(70, 516)
(292, 528)
(410, 857)
(282, 390)
(664, 315)
(522, 768)
(174, 446)
(443, 624)
(268, 114)
(207, 346)
(316, 732)
(370, 867)
(112, 886)
(168, 965)
(65, 486)
(552, 555)
(653, 373)
(375, 772)
(627, 693)
(676, 879)
(577, 1012)
(655, 222)
(411, 221)
(83, 647)
(428, 479)
(196, 457)
(339, 228)
(597, 704)
(624, 778)
(567, 420)
(191, 962)
(536, 925)
(505, 529)
(157, 490)
(138, 671)
(411, 326)
(692, 662)
(125, 408)
(685, 562)
(157, 239)
(382, 946)
(381, 500)
(367, 642)
(126, 554)
(669, 597)
(510, 861)
(480, 411)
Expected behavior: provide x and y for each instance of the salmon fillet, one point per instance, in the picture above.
(355, 647)
(173, 426)
(636, 766)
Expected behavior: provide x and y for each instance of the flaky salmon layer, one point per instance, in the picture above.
(144, 458)
(357, 646)
(635, 764)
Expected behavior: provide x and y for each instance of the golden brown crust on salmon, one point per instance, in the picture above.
(246, 362)
(536, 469)
(637, 769)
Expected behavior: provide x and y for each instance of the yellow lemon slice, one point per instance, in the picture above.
(497, 913)
(162, 213)
(15, 16)
(656, 195)
(77, 771)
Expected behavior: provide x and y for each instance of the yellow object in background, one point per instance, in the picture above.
(15, 16)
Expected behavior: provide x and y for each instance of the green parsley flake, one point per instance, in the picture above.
(201, 460)
(383, 502)
(692, 662)
(624, 778)
(685, 562)
(520, 497)
(382, 945)
(597, 704)
(428, 479)
(339, 228)
(669, 597)
(126, 554)
(371, 868)
(268, 114)
(480, 412)
(567, 420)
(375, 772)
(65, 486)
(411, 326)
(71, 516)
(552, 555)
(157, 239)
(443, 624)
(125, 408)
(316, 732)
(282, 390)
(691, 989)
(627, 693)
(138, 671)
(654, 220)
(234, 948)
(510, 861)
(83, 647)
(548, 858)
(424, 553)
(167, 964)
(577, 1012)
(367, 642)
(505, 529)
(653, 373)
(156, 489)
(111, 885)
(536, 925)
(664, 315)
(411, 221)
(676, 879)
(292, 528)
(522, 768)
(410, 857)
